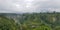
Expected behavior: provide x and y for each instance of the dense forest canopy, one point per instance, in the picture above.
(30, 21)
(7, 24)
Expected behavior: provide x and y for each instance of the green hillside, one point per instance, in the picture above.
(7, 24)
(30, 21)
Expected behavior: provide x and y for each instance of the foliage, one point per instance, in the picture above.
(7, 24)
(33, 21)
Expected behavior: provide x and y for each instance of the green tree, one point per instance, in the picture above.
(7, 24)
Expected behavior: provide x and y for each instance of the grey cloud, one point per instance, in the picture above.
(36, 5)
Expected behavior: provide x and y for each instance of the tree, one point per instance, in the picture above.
(7, 24)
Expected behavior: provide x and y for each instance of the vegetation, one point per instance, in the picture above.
(32, 21)
(7, 24)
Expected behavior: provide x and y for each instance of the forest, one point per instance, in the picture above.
(30, 21)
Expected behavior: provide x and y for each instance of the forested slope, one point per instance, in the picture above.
(7, 24)
(42, 21)
(30, 21)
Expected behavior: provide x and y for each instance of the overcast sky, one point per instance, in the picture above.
(18, 6)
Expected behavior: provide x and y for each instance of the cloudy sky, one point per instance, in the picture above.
(17, 6)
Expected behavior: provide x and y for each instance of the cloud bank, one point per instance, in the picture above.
(17, 6)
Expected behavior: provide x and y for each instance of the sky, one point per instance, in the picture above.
(25, 6)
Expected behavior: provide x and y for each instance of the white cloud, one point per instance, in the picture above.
(29, 5)
(44, 0)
